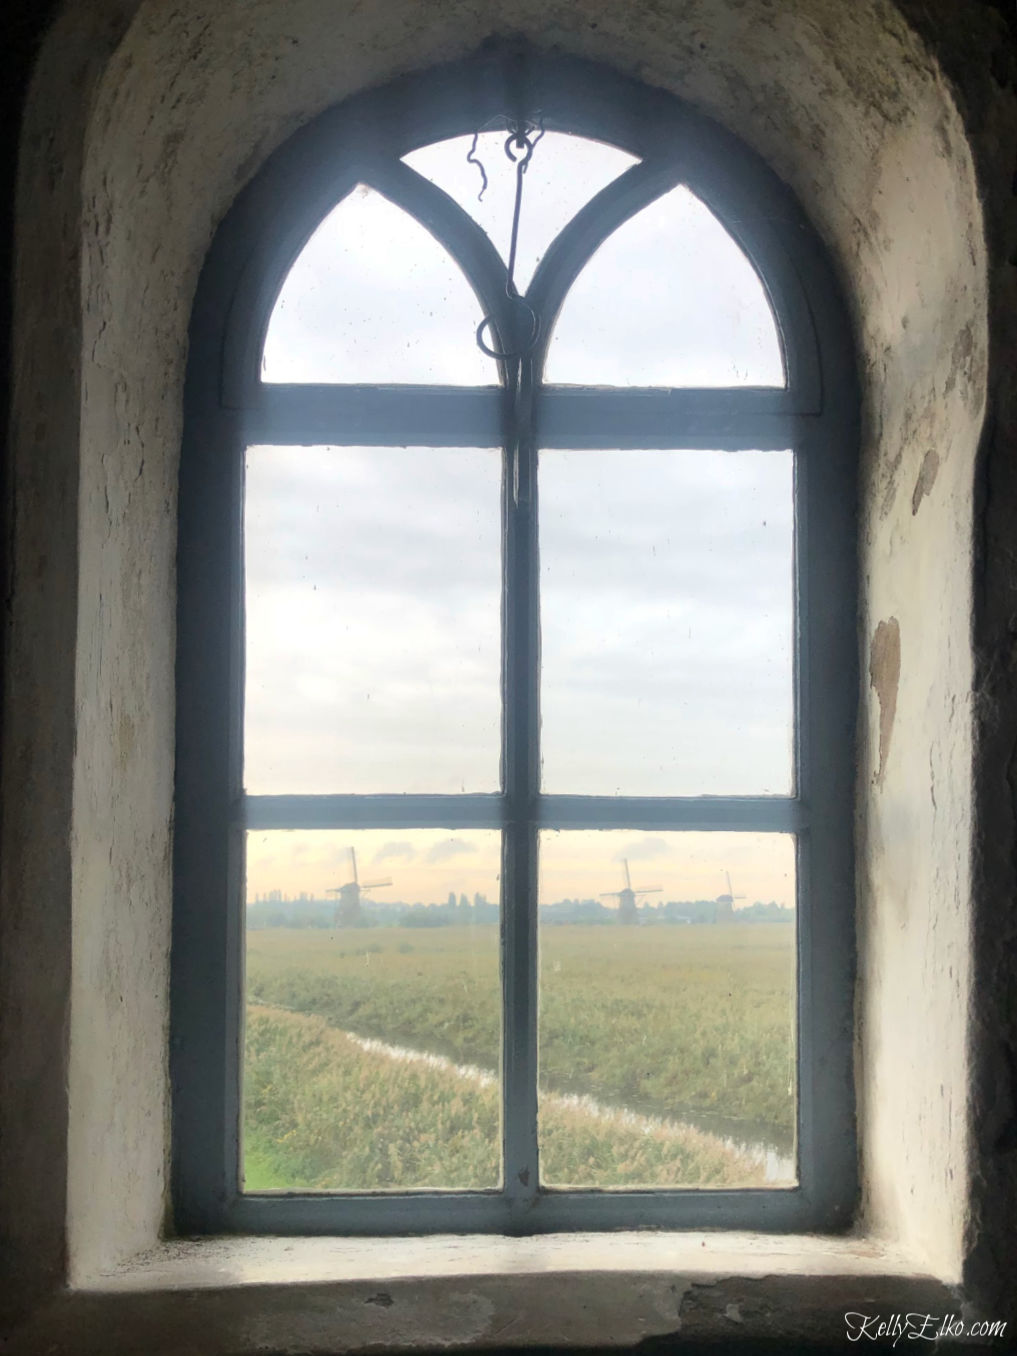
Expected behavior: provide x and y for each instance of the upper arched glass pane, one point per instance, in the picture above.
(564, 173)
(373, 297)
(669, 299)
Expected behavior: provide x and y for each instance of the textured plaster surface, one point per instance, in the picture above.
(981, 60)
(926, 353)
(40, 619)
(130, 161)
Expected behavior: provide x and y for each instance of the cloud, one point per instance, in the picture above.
(451, 847)
(394, 851)
(641, 849)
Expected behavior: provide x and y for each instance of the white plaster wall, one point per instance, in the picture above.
(40, 633)
(845, 105)
(926, 333)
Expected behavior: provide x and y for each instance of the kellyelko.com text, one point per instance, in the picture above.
(916, 1327)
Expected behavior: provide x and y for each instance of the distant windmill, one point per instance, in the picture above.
(627, 897)
(725, 903)
(347, 910)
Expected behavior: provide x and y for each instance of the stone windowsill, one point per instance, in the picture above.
(306, 1295)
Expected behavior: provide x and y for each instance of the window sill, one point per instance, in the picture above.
(325, 1295)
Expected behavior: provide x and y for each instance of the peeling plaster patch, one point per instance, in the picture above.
(961, 358)
(926, 479)
(889, 475)
(884, 676)
(669, 1306)
(807, 1317)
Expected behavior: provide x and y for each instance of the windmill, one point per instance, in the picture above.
(627, 897)
(347, 908)
(725, 903)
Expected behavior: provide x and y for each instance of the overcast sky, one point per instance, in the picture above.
(373, 575)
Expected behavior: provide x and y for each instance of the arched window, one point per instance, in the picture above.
(517, 678)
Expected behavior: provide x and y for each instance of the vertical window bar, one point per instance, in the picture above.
(521, 770)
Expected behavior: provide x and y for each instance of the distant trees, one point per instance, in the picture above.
(297, 913)
(453, 912)
(458, 909)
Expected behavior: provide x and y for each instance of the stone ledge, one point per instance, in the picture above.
(301, 1295)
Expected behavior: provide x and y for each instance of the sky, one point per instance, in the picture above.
(373, 574)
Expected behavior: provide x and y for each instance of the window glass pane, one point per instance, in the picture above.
(373, 596)
(668, 300)
(563, 174)
(373, 297)
(667, 1009)
(373, 1031)
(667, 622)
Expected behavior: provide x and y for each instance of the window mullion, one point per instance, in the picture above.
(521, 772)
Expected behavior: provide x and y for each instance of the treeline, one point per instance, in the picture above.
(320, 913)
(674, 911)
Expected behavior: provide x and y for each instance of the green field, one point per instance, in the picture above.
(662, 1021)
(322, 1113)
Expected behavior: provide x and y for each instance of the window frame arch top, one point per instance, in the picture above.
(230, 408)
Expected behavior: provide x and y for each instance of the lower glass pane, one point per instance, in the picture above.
(667, 1027)
(372, 1048)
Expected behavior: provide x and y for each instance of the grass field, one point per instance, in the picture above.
(324, 1114)
(663, 1021)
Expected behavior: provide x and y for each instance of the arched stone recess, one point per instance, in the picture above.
(176, 107)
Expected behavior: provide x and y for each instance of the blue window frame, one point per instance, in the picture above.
(813, 413)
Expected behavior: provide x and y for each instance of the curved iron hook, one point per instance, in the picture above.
(528, 346)
(520, 139)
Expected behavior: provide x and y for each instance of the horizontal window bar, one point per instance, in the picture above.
(380, 812)
(567, 417)
(588, 417)
(375, 416)
(760, 814)
(462, 1212)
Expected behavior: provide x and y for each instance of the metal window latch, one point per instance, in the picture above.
(520, 329)
(521, 320)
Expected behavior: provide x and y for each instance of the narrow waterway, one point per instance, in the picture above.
(778, 1166)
